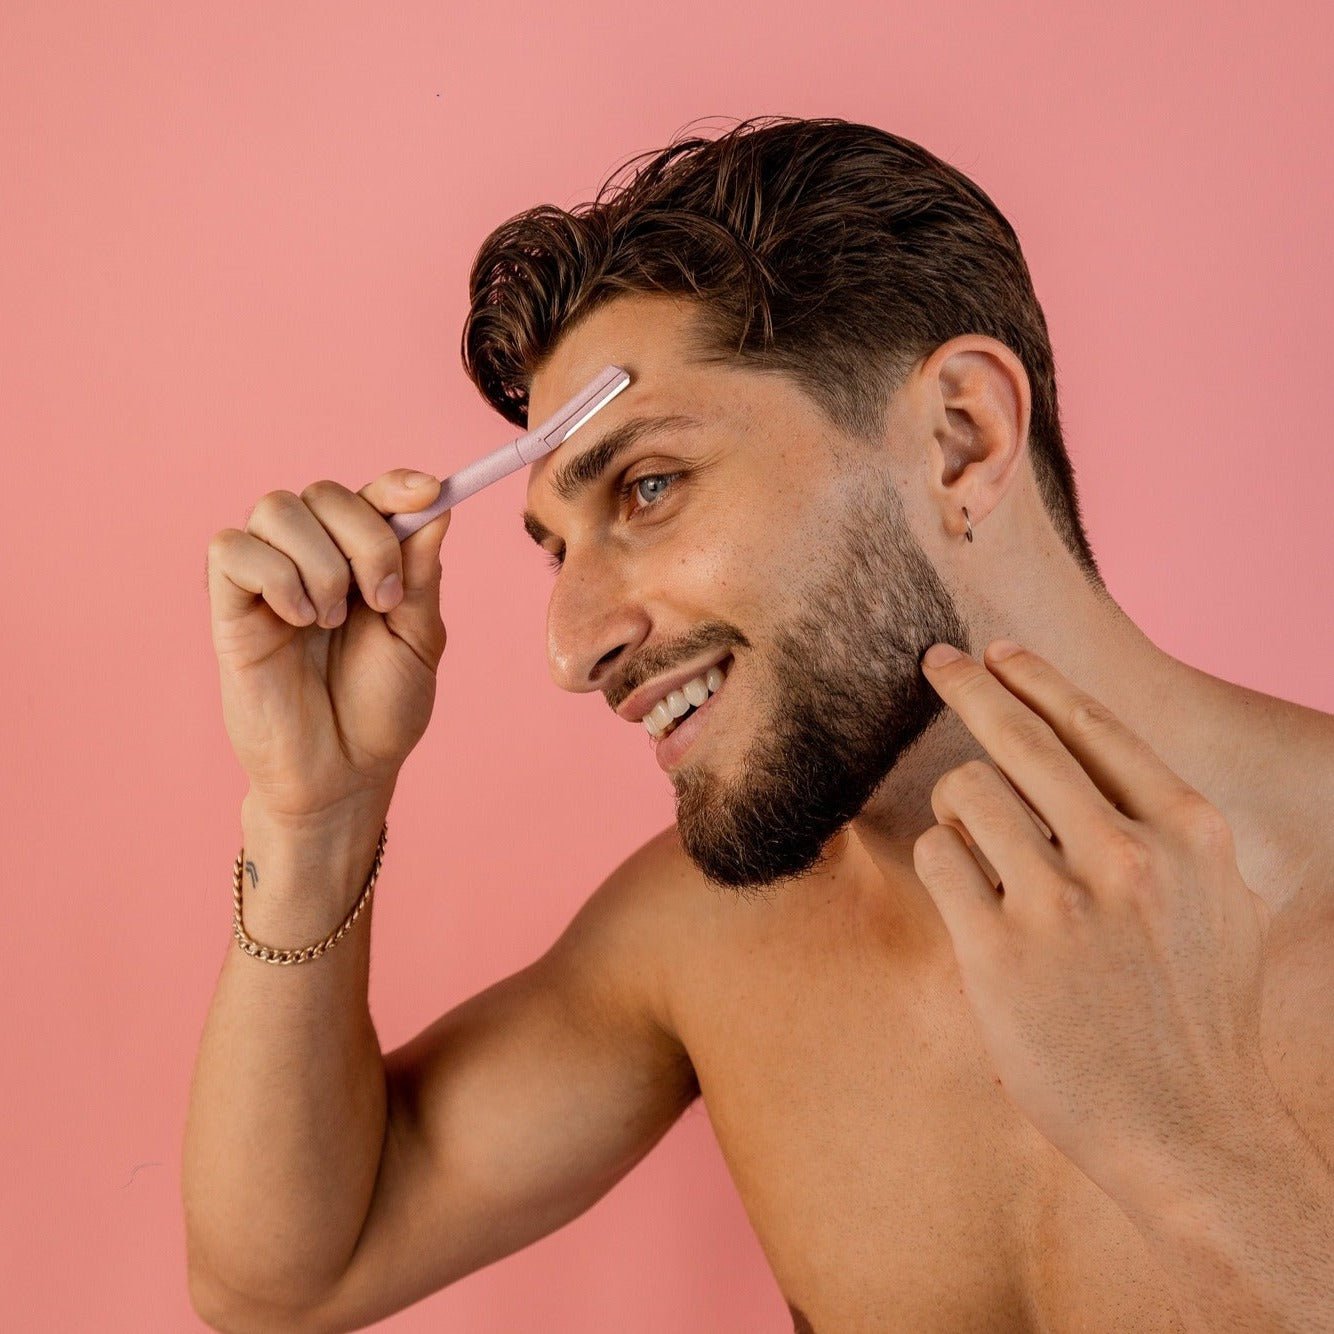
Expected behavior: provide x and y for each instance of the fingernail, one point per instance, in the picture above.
(416, 479)
(939, 654)
(389, 592)
(1002, 649)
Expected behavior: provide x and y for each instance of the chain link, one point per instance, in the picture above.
(272, 955)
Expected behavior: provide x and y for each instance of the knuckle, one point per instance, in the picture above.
(221, 541)
(935, 846)
(327, 589)
(1090, 718)
(975, 772)
(384, 554)
(273, 502)
(962, 786)
(1071, 898)
(324, 487)
(973, 684)
(1200, 821)
(963, 779)
(1024, 732)
(1127, 860)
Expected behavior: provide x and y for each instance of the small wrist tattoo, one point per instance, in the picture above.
(254, 874)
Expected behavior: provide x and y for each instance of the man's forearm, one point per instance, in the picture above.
(287, 1106)
(1246, 1231)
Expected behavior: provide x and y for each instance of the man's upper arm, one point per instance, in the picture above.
(513, 1113)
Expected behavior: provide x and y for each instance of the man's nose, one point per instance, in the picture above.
(591, 624)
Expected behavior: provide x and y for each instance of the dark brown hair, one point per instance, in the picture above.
(858, 251)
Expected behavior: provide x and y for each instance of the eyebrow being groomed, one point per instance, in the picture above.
(583, 471)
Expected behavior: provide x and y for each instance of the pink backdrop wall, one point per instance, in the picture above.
(235, 246)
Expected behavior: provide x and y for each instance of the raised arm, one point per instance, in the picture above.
(516, 1111)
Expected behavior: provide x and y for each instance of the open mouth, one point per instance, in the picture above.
(672, 724)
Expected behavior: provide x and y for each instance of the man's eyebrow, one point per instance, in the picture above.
(582, 471)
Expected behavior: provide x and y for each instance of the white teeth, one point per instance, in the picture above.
(696, 691)
(659, 719)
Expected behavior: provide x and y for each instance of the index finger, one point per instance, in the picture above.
(1028, 752)
(1067, 754)
(1125, 768)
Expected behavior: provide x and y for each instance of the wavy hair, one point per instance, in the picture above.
(834, 253)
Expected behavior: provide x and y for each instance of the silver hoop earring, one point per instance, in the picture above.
(969, 522)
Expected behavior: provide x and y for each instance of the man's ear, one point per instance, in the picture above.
(980, 405)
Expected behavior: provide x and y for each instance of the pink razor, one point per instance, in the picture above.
(553, 433)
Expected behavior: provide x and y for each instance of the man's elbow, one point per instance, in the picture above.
(229, 1312)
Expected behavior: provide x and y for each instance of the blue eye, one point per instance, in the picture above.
(627, 493)
(629, 489)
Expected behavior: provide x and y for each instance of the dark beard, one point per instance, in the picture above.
(847, 701)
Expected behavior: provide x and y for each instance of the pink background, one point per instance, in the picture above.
(235, 247)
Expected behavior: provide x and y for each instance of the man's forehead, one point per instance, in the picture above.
(646, 333)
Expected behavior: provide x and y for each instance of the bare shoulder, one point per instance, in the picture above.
(1303, 780)
(649, 894)
(1307, 729)
(633, 927)
(1297, 1015)
(1280, 758)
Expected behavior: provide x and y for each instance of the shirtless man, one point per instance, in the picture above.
(1008, 985)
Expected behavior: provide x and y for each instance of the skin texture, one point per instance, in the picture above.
(833, 564)
(859, 1043)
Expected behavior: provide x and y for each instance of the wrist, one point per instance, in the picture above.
(1183, 1183)
(341, 820)
(299, 877)
(1243, 1227)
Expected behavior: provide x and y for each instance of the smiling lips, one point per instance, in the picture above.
(665, 716)
(641, 702)
(671, 746)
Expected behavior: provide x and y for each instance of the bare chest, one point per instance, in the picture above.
(891, 1183)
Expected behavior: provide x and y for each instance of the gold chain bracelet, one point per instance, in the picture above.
(304, 955)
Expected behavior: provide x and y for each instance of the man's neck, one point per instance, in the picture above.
(1179, 711)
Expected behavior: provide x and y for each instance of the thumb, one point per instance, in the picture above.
(421, 550)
